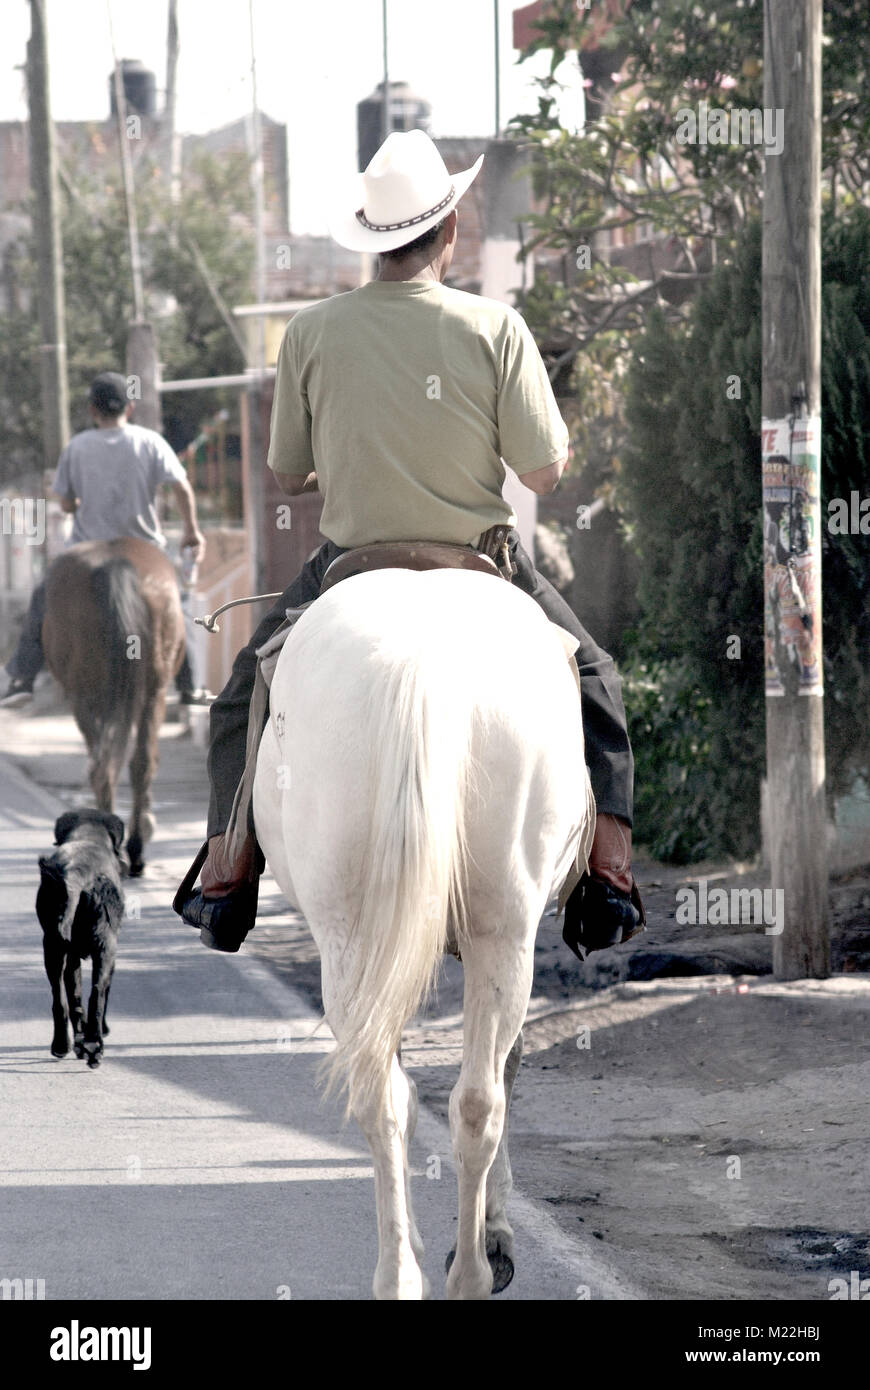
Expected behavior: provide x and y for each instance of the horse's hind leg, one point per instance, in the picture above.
(499, 1233)
(410, 1128)
(143, 765)
(385, 1124)
(498, 981)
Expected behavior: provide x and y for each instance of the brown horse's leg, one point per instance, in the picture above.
(143, 765)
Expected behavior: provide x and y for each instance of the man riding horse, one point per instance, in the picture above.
(108, 478)
(402, 401)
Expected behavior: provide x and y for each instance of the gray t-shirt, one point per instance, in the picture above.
(115, 474)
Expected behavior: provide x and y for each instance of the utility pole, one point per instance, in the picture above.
(143, 371)
(46, 230)
(791, 462)
(497, 42)
(170, 135)
(385, 105)
(256, 407)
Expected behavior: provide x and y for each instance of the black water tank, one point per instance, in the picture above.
(140, 88)
(407, 112)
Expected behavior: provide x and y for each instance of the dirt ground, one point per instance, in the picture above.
(707, 1123)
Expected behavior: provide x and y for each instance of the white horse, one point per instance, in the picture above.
(421, 785)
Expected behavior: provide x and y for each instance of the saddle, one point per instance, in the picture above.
(424, 555)
(415, 555)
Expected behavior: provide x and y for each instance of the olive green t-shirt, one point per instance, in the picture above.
(405, 396)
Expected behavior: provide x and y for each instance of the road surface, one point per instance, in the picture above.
(197, 1162)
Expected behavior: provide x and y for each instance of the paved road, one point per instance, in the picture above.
(197, 1162)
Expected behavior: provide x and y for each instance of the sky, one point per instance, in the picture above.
(315, 60)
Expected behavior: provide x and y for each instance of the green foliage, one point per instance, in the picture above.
(193, 340)
(691, 494)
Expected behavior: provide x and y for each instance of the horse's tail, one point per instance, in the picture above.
(125, 637)
(418, 733)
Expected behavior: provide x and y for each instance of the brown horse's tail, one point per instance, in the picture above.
(125, 640)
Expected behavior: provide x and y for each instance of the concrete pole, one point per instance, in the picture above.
(791, 446)
(46, 231)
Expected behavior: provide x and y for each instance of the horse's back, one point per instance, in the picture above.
(100, 591)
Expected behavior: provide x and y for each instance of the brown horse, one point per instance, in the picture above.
(114, 637)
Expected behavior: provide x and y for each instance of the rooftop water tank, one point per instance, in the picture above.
(140, 88)
(407, 111)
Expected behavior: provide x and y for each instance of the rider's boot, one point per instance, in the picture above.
(605, 908)
(225, 906)
(17, 692)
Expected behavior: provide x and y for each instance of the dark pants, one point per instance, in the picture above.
(608, 752)
(28, 658)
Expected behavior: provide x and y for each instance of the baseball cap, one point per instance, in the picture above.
(109, 393)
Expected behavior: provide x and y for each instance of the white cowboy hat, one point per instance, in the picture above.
(405, 190)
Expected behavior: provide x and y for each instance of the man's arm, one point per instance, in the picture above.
(68, 503)
(295, 483)
(544, 480)
(185, 501)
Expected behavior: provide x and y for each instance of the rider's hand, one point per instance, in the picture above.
(195, 541)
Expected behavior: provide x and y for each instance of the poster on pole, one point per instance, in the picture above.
(791, 468)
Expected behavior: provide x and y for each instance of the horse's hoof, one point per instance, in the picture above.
(59, 1051)
(136, 870)
(502, 1270)
(105, 1030)
(79, 1050)
(501, 1264)
(93, 1059)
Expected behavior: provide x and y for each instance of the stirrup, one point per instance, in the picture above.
(598, 916)
(223, 922)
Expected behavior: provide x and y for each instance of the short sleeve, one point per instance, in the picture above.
(290, 430)
(63, 484)
(166, 466)
(532, 433)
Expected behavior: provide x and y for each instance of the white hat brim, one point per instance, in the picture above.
(346, 228)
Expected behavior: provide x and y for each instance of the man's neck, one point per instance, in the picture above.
(410, 270)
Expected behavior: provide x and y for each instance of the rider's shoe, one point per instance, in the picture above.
(605, 908)
(18, 692)
(199, 696)
(225, 907)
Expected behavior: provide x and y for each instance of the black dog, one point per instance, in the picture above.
(80, 906)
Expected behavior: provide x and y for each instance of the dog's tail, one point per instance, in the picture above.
(58, 898)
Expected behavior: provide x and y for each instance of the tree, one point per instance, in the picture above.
(690, 493)
(193, 338)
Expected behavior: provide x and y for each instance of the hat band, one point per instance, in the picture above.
(409, 222)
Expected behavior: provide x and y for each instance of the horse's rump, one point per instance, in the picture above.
(429, 732)
(113, 637)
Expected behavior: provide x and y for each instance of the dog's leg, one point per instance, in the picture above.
(104, 963)
(73, 980)
(106, 1001)
(54, 951)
